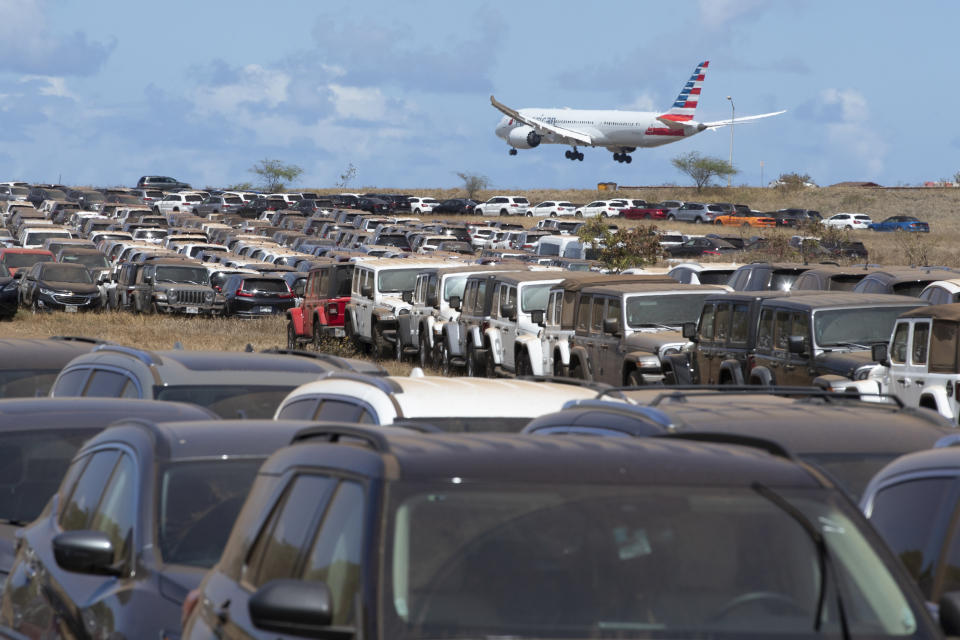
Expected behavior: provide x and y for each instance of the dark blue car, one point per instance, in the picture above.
(900, 223)
(8, 294)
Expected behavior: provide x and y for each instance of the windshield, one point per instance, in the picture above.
(246, 401)
(197, 505)
(454, 286)
(20, 260)
(65, 273)
(34, 464)
(478, 560)
(141, 234)
(396, 280)
(664, 309)
(185, 275)
(854, 327)
(533, 297)
(89, 260)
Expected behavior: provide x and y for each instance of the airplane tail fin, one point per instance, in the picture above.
(686, 103)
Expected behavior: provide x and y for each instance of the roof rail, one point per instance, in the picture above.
(771, 447)
(80, 339)
(335, 433)
(682, 392)
(579, 382)
(146, 357)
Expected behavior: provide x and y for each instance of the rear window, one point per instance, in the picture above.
(193, 198)
(20, 260)
(233, 200)
(272, 286)
(521, 200)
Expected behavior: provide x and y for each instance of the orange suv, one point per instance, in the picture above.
(745, 218)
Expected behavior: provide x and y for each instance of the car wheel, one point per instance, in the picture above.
(442, 360)
(504, 212)
(849, 227)
(35, 307)
(718, 222)
(523, 367)
(471, 362)
(635, 379)
(424, 354)
(671, 217)
(380, 345)
(697, 221)
(398, 349)
(578, 214)
(576, 371)
(315, 335)
(291, 336)
(559, 370)
(529, 214)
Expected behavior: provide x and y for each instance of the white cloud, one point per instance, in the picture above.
(853, 106)
(852, 135)
(717, 13)
(643, 102)
(256, 85)
(359, 103)
(51, 86)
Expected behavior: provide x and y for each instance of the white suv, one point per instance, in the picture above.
(602, 208)
(185, 201)
(422, 205)
(552, 209)
(503, 206)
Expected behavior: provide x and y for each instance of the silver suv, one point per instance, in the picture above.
(697, 212)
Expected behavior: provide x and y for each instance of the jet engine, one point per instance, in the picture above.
(523, 138)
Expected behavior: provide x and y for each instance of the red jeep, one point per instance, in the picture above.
(322, 311)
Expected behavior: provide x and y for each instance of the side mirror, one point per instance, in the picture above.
(85, 552)
(878, 353)
(295, 607)
(797, 344)
(147, 279)
(510, 311)
(407, 296)
(690, 331)
(455, 303)
(18, 275)
(611, 326)
(537, 317)
(950, 613)
(366, 291)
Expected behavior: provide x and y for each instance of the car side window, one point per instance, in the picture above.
(613, 312)
(722, 322)
(276, 552)
(72, 382)
(782, 330)
(921, 337)
(338, 411)
(596, 321)
(707, 318)
(495, 304)
(765, 330)
(337, 553)
(898, 353)
(801, 327)
(106, 384)
(299, 410)
(583, 314)
(508, 298)
(943, 347)
(117, 510)
(77, 510)
(739, 324)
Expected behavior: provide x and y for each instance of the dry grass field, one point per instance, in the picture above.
(939, 207)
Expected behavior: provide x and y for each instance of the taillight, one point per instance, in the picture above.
(287, 295)
(332, 309)
(244, 294)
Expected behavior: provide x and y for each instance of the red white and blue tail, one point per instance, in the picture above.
(686, 103)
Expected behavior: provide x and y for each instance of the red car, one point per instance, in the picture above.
(650, 212)
(322, 311)
(16, 259)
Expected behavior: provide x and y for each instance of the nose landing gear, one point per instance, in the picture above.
(513, 152)
(573, 155)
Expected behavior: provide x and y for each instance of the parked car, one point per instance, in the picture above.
(701, 246)
(745, 219)
(422, 205)
(904, 281)
(137, 520)
(849, 221)
(41, 436)
(163, 183)
(175, 286)
(901, 223)
(766, 276)
(706, 273)
(795, 217)
(942, 291)
(557, 545)
(255, 296)
(323, 309)
(832, 278)
(231, 384)
(52, 286)
(503, 206)
(697, 212)
(552, 208)
(28, 366)
(218, 204)
(602, 208)
(459, 206)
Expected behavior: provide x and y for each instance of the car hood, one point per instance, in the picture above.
(644, 341)
(843, 363)
(74, 287)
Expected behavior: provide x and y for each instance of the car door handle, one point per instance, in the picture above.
(919, 383)
(901, 381)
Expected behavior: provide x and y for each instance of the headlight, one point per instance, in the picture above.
(388, 317)
(160, 296)
(208, 296)
(863, 372)
(172, 296)
(669, 351)
(47, 292)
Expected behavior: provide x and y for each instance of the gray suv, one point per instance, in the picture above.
(697, 212)
(161, 182)
(175, 286)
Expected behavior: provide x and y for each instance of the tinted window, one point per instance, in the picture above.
(943, 352)
(105, 384)
(338, 411)
(71, 383)
(336, 556)
(597, 319)
(899, 351)
(298, 410)
(921, 335)
(77, 511)
(706, 322)
(275, 554)
(723, 321)
(229, 401)
(906, 516)
(117, 511)
(740, 324)
(583, 314)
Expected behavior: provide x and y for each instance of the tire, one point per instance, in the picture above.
(398, 349)
(718, 222)
(504, 212)
(529, 214)
(559, 370)
(35, 307)
(578, 214)
(380, 345)
(471, 362)
(442, 361)
(523, 367)
(575, 370)
(315, 336)
(634, 379)
(671, 217)
(291, 335)
(697, 221)
(425, 359)
(489, 369)
(416, 212)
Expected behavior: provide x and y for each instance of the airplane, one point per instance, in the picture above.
(621, 132)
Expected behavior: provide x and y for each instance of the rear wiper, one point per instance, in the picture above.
(823, 554)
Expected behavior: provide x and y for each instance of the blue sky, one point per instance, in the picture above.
(103, 92)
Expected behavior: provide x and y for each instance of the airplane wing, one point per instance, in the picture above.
(570, 137)
(736, 121)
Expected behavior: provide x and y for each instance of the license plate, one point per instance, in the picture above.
(339, 332)
(193, 310)
(70, 308)
(266, 309)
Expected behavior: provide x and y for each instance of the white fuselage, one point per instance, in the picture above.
(616, 130)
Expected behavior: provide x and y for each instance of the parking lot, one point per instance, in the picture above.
(232, 414)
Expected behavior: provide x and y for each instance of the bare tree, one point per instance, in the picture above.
(473, 183)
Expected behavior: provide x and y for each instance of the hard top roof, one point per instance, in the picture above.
(847, 299)
(650, 287)
(31, 354)
(577, 282)
(539, 459)
(914, 273)
(949, 312)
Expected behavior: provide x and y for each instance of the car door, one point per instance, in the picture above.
(316, 533)
(908, 360)
(98, 494)
(507, 324)
(609, 341)
(798, 367)
(705, 354)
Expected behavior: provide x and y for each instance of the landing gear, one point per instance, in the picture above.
(623, 157)
(513, 152)
(573, 155)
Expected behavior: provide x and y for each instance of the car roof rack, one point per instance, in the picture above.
(682, 392)
(770, 446)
